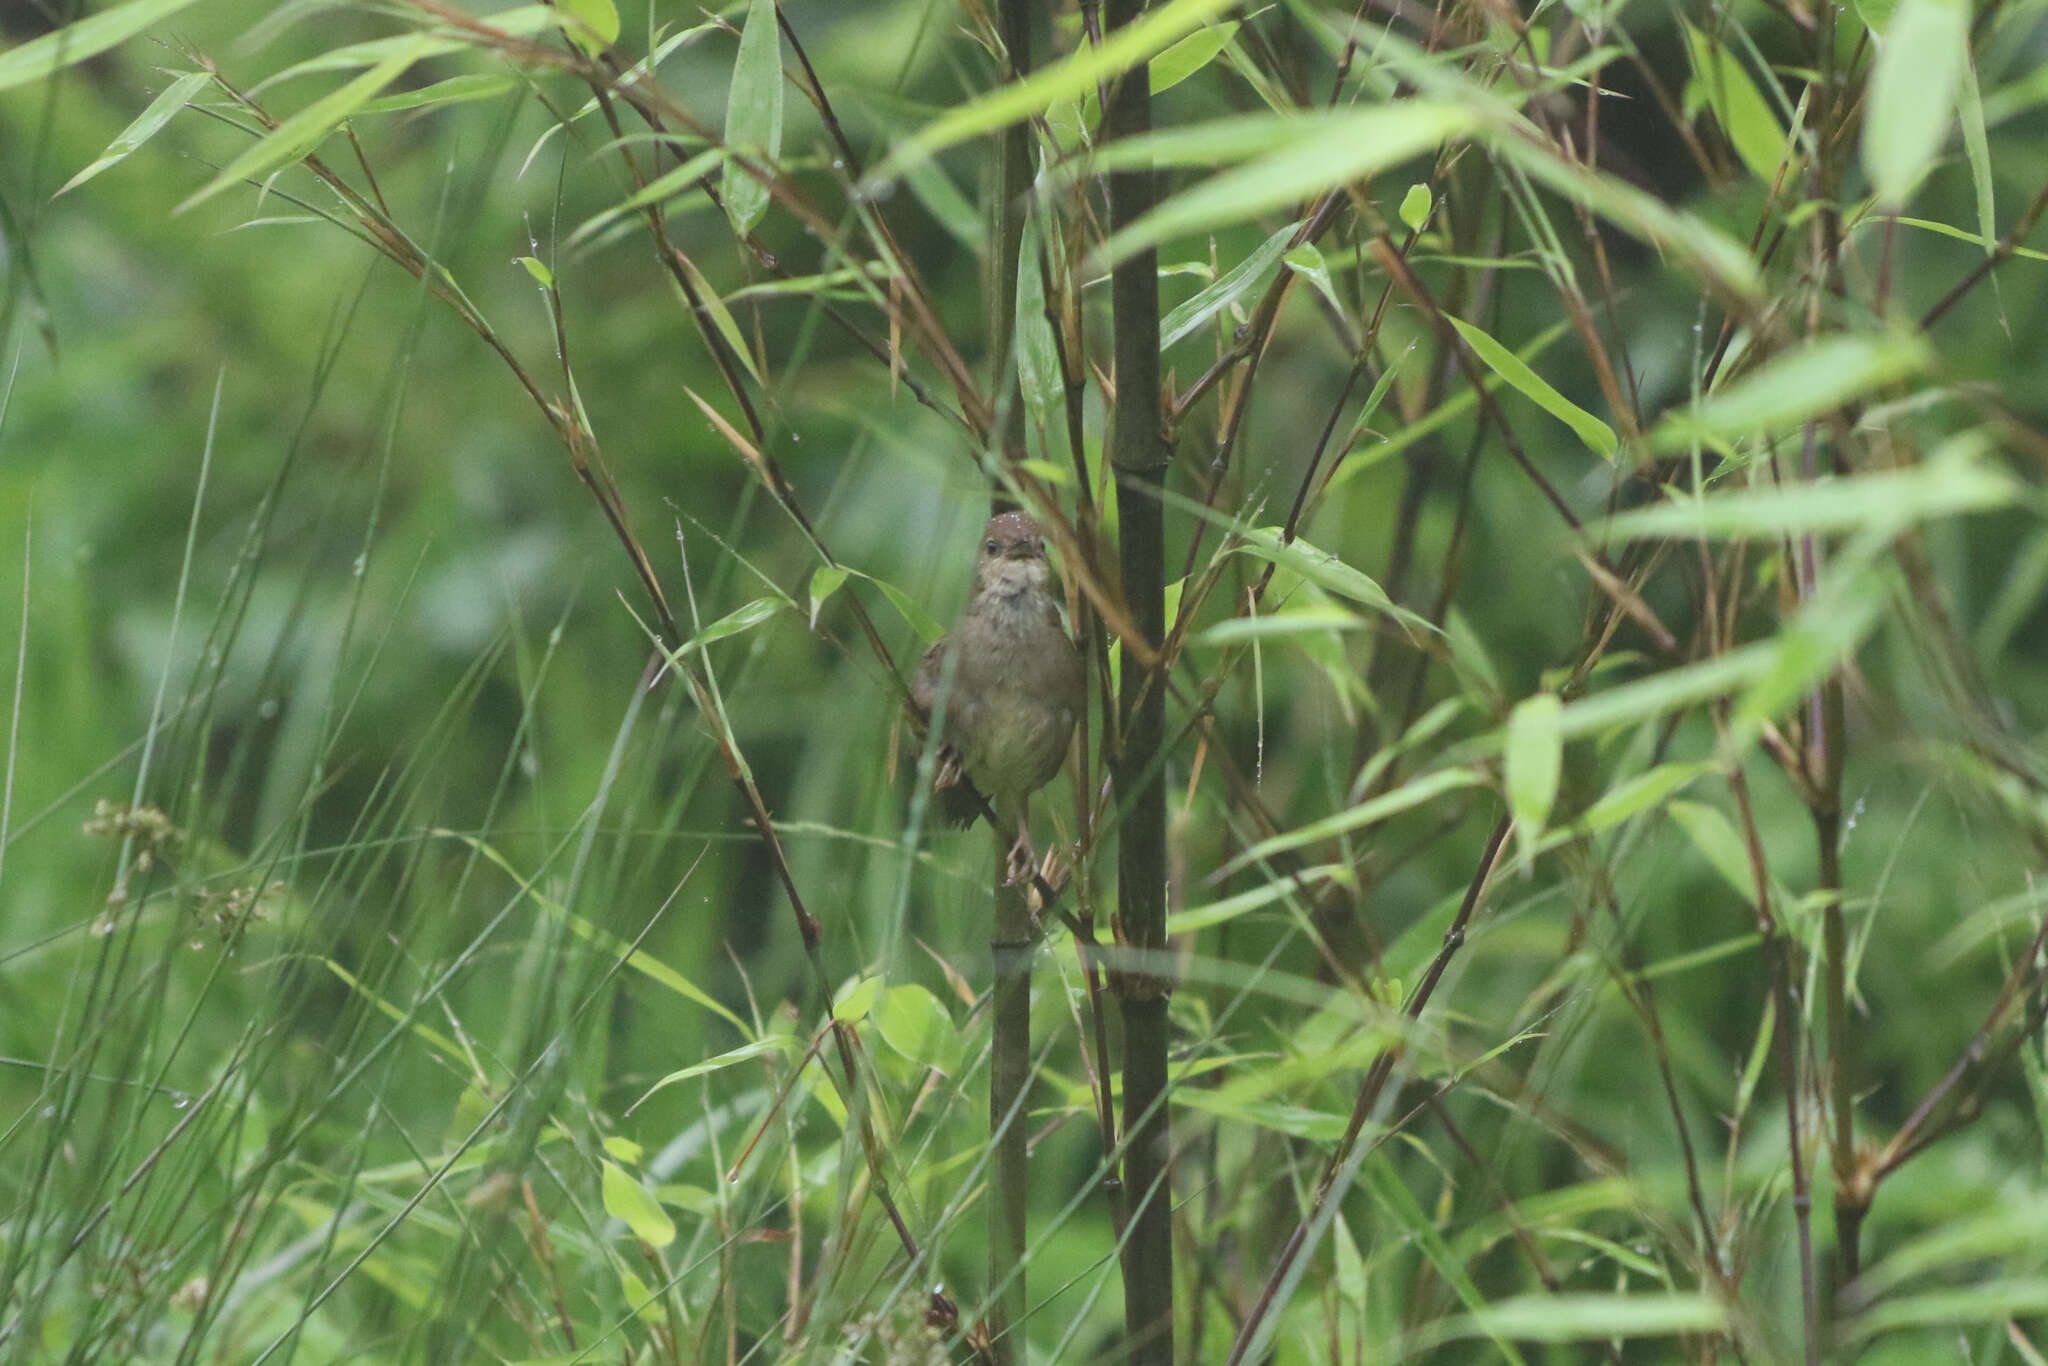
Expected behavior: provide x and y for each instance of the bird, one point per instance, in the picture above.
(1014, 692)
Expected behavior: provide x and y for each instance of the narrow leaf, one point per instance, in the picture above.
(1812, 379)
(1912, 99)
(1977, 146)
(1245, 276)
(1326, 571)
(1067, 79)
(1714, 836)
(1888, 501)
(302, 132)
(146, 125)
(1410, 794)
(1535, 761)
(1739, 107)
(1505, 363)
(74, 43)
(753, 115)
(626, 1200)
(1331, 151)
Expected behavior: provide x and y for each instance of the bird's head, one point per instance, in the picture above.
(1012, 557)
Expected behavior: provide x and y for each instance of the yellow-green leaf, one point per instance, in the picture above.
(625, 1199)
(1510, 367)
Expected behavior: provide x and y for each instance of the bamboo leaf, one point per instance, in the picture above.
(89, 37)
(1912, 99)
(1977, 147)
(1415, 206)
(1410, 794)
(594, 26)
(825, 581)
(1239, 280)
(1714, 836)
(1739, 107)
(298, 135)
(627, 1200)
(1534, 763)
(1805, 382)
(753, 116)
(1330, 151)
(1596, 434)
(146, 126)
(1326, 571)
(774, 1043)
(1068, 79)
(1887, 501)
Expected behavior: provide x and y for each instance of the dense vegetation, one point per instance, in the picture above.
(1551, 501)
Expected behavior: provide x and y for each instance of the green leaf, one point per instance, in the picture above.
(668, 183)
(1166, 71)
(2006, 1298)
(1804, 382)
(623, 1148)
(146, 125)
(1741, 110)
(1950, 230)
(733, 623)
(1325, 571)
(644, 1303)
(1639, 794)
(74, 43)
(454, 90)
(1293, 621)
(1535, 761)
(825, 581)
(1189, 55)
(638, 959)
(1505, 363)
(1068, 79)
(1415, 206)
(1036, 357)
(1887, 501)
(1244, 903)
(1912, 95)
(856, 1001)
(913, 1022)
(753, 115)
(595, 25)
(1328, 150)
(772, 1044)
(1245, 276)
(1581, 1317)
(1707, 250)
(1671, 690)
(538, 269)
(1307, 261)
(721, 316)
(624, 1199)
(1715, 838)
(1410, 794)
(298, 135)
(1977, 147)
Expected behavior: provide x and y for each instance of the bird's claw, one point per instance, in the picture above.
(1023, 861)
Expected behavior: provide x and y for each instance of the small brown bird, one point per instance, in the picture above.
(1015, 690)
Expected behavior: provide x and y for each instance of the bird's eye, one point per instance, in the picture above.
(989, 547)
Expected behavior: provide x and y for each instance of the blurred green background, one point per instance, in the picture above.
(283, 536)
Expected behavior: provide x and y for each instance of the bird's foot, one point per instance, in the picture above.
(1023, 861)
(948, 774)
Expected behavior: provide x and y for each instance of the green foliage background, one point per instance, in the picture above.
(348, 1065)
